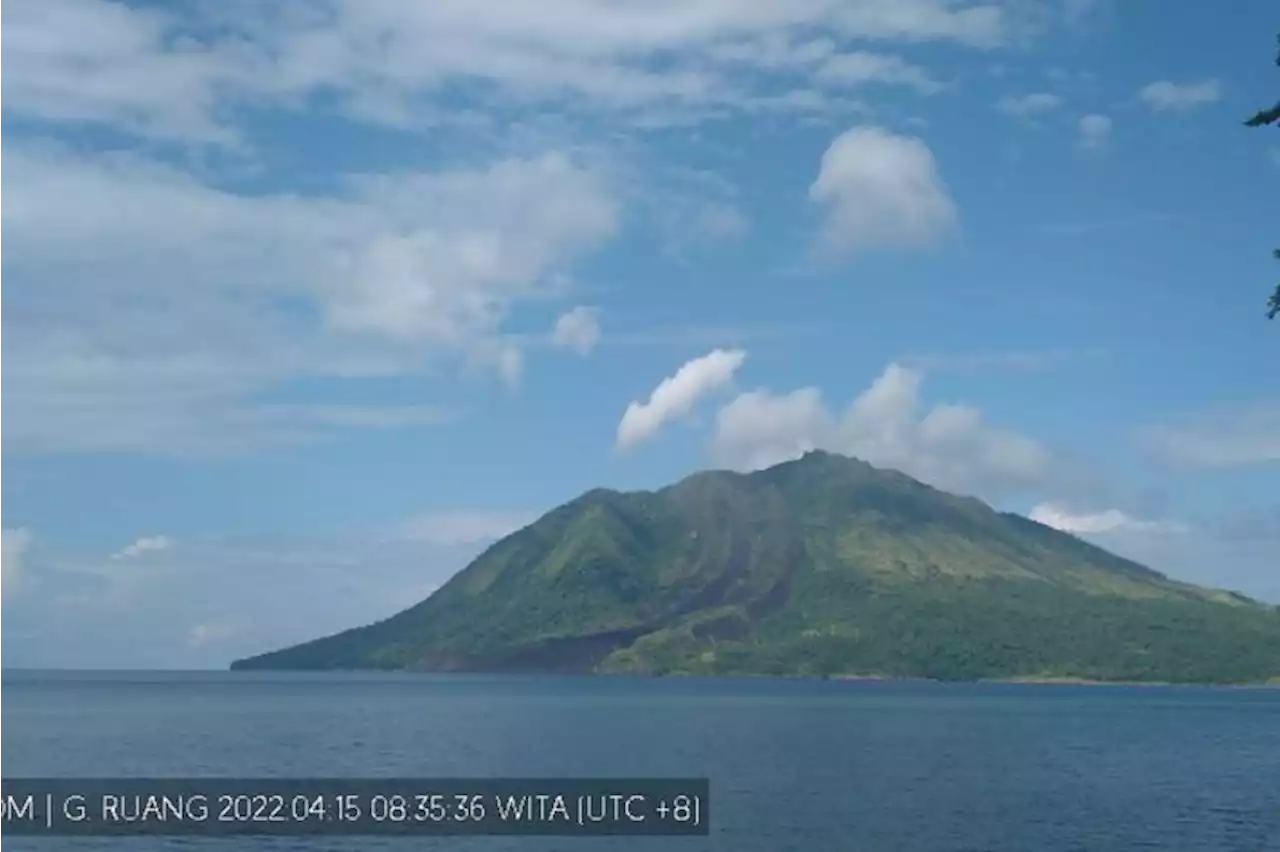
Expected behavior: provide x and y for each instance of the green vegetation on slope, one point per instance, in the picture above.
(821, 566)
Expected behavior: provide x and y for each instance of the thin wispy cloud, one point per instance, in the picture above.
(1011, 362)
(462, 526)
(89, 61)
(1108, 223)
(1035, 103)
(15, 545)
(1227, 437)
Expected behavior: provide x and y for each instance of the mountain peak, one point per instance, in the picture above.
(816, 456)
(820, 565)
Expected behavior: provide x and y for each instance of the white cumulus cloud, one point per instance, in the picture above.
(1166, 96)
(1104, 521)
(497, 235)
(14, 547)
(677, 394)
(759, 429)
(1095, 130)
(144, 545)
(578, 329)
(880, 189)
(949, 446)
(383, 276)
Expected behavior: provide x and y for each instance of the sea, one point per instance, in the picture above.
(793, 764)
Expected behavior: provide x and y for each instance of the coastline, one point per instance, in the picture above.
(852, 677)
(1273, 683)
(1036, 680)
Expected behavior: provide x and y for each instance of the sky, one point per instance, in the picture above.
(308, 303)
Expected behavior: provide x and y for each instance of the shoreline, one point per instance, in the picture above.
(1033, 680)
(870, 677)
(1081, 681)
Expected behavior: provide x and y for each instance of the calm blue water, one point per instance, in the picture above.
(794, 765)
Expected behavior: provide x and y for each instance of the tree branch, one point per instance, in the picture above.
(1265, 117)
(1273, 304)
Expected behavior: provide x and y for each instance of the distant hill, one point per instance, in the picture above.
(820, 566)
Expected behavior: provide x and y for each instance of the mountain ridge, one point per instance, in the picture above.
(822, 565)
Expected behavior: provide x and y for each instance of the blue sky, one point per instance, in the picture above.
(305, 308)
